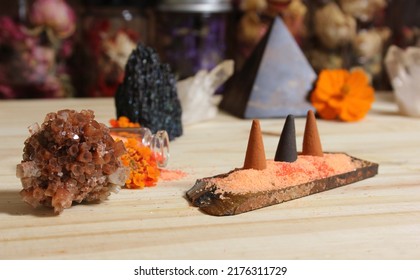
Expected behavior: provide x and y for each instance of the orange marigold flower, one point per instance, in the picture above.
(340, 94)
(123, 122)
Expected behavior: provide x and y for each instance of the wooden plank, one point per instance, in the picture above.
(377, 218)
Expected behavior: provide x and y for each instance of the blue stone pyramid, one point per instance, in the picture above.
(274, 81)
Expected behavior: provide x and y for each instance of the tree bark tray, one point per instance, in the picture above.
(208, 197)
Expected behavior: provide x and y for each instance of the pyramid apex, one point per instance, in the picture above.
(274, 81)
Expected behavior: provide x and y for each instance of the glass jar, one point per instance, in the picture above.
(35, 48)
(348, 35)
(109, 33)
(158, 143)
(191, 35)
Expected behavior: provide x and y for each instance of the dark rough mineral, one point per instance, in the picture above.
(148, 94)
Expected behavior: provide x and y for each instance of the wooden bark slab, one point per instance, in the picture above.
(207, 196)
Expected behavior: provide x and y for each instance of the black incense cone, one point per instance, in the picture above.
(286, 149)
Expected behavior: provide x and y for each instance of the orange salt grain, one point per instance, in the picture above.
(171, 175)
(284, 174)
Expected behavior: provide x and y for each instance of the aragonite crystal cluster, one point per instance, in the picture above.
(70, 158)
(148, 94)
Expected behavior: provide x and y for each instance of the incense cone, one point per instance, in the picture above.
(286, 149)
(311, 142)
(255, 153)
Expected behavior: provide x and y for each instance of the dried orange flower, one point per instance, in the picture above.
(144, 171)
(340, 94)
(123, 122)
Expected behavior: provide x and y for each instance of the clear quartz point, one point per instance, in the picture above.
(158, 143)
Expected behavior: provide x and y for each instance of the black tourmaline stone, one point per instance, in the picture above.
(148, 94)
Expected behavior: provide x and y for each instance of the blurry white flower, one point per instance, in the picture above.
(119, 48)
(364, 10)
(333, 27)
(369, 43)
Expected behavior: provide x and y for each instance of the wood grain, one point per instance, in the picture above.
(378, 218)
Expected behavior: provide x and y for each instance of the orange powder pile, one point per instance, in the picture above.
(284, 174)
(144, 171)
(171, 175)
(122, 122)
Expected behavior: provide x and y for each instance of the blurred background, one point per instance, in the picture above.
(76, 48)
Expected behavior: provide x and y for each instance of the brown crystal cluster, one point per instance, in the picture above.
(71, 157)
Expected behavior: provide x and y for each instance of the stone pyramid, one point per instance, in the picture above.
(274, 81)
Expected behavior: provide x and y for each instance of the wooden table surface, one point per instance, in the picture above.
(378, 218)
